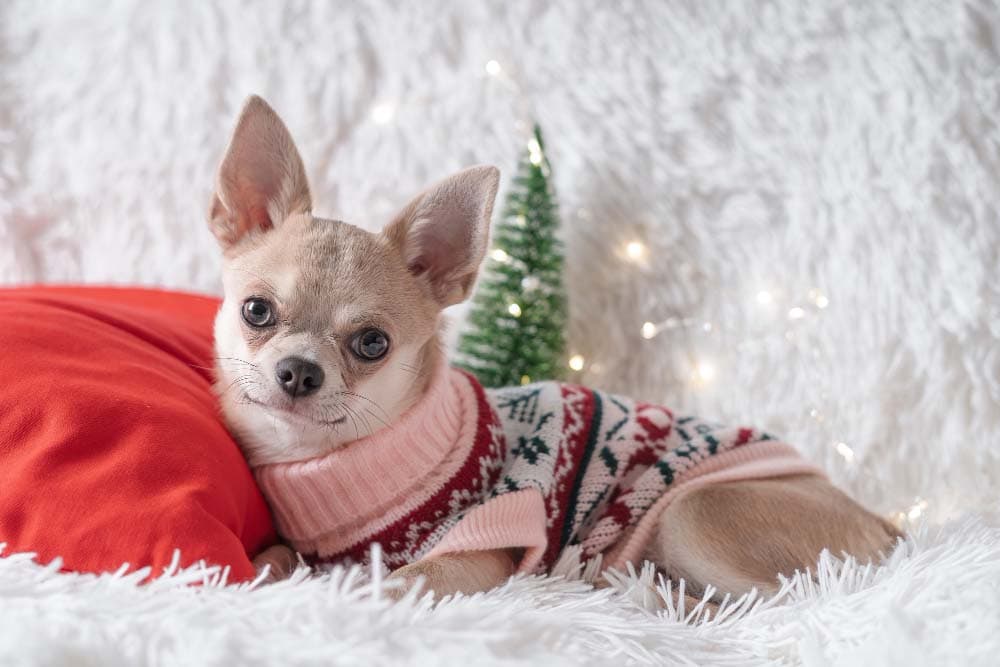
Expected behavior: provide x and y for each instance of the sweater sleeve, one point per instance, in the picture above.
(510, 521)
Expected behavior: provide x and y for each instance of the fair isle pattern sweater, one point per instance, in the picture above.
(539, 467)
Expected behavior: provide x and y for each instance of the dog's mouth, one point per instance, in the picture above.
(290, 412)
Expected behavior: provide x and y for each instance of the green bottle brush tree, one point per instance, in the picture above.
(515, 332)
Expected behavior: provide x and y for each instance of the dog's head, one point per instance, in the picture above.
(328, 332)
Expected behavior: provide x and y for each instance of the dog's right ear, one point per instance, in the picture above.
(261, 180)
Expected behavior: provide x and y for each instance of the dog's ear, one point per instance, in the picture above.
(443, 232)
(261, 180)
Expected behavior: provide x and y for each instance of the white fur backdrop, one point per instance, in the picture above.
(814, 186)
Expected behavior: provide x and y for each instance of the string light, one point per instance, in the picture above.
(705, 371)
(534, 151)
(493, 68)
(525, 379)
(764, 297)
(520, 221)
(916, 509)
(383, 113)
(818, 298)
(648, 330)
(635, 250)
(530, 283)
(796, 313)
(514, 310)
(844, 450)
(576, 362)
(500, 256)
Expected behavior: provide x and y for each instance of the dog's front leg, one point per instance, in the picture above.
(281, 562)
(465, 572)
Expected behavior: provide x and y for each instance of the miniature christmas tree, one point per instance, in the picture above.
(516, 329)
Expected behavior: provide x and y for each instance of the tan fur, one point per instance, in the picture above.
(279, 560)
(261, 180)
(466, 572)
(734, 536)
(742, 535)
(328, 280)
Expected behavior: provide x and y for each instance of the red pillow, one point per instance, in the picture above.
(111, 445)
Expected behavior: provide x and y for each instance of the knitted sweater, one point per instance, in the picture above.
(539, 467)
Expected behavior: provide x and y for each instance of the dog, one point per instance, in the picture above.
(332, 379)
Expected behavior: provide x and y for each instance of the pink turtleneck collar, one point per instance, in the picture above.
(327, 504)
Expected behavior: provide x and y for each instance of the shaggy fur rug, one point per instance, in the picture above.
(932, 603)
(782, 213)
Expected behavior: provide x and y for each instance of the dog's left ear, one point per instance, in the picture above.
(443, 233)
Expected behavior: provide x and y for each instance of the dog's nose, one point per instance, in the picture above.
(298, 377)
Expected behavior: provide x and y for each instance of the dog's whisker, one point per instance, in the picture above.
(240, 380)
(364, 421)
(365, 398)
(242, 361)
(363, 418)
(354, 421)
(203, 368)
(382, 421)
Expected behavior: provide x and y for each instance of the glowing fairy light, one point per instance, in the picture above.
(648, 330)
(916, 509)
(764, 297)
(525, 379)
(534, 151)
(576, 362)
(844, 450)
(705, 371)
(818, 298)
(796, 313)
(514, 310)
(493, 68)
(500, 256)
(635, 250)
(383, 113)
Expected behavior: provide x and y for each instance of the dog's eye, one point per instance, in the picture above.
(258, 312)
(370, 345)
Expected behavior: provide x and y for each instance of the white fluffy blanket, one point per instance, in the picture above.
(778, 212)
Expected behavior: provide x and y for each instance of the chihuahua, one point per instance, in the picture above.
(332, 379)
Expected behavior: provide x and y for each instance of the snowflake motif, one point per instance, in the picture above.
(531, 448)
(519, 405)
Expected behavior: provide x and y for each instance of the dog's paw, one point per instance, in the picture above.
(280, 560)
(430, 575)
(466, 572)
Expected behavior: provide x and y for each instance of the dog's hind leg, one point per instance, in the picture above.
(741, 535)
